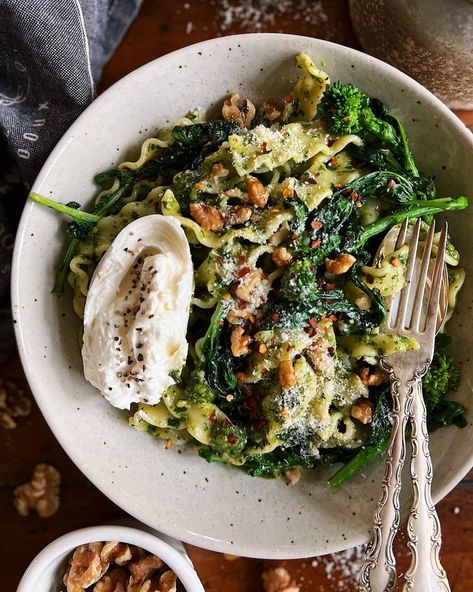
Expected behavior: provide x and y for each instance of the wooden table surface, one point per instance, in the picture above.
(162, 27)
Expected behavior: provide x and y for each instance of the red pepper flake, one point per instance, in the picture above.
(240, 376)
(213, 417)
(294, 238)
(241, 305)
(395, 262)
(329, 287)
(321, 283)
(226, 422)
(333, 318)
(275, 317)
(260, 425)
(231, 439)
(264, 148)
(316, 225)
(313, 323)
(369, 279)
(334, 161)
(330, 142)
(241, 259)
(391, 184)
(243, 271)
(289, 99)
(315, 244)
(353, 196)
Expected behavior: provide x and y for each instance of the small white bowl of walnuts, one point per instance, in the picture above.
(110, 559)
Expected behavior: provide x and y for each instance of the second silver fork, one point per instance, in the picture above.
(417, 318)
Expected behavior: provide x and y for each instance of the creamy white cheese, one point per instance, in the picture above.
(137, 310)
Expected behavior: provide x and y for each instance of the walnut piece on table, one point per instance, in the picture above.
(229, 557)
(277, 579)
(41, 494)
(13, 404)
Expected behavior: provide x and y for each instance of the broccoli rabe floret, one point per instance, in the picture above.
(228, 439)
(347, 111)
(197, 388)
(299, 284)
(442, 376)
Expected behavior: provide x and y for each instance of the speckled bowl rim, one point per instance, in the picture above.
(176, 530)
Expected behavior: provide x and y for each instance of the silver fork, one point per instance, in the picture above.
(415, 316)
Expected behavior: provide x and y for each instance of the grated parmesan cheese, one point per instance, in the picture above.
(256, 15)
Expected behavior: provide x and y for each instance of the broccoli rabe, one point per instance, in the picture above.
(299, 283)
(414, 209)
(348, 110)
(442, 376)
(380, 432)
(228, 439)
(305, 295)
(197, 388)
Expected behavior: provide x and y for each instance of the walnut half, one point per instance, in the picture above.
(373, 376)
(240, 342)
(341, 264)
(207, 216)
(41, 494)
(362, 410)
(85, 567)
(242, 111)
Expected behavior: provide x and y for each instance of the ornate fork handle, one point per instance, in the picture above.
(378, 573)
(425, 573)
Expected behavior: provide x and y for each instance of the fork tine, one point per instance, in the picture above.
(437, 281)
(422, 280)
(411, 261)
(401, 237)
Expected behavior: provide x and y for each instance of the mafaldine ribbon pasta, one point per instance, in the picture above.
(136, 313)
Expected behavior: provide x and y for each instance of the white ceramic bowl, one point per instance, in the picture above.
(45, 571)
(211, 505)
